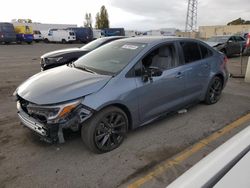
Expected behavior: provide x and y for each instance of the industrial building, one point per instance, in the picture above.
(206, 32)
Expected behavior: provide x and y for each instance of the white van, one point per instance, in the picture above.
(60, 35)
(97, 33)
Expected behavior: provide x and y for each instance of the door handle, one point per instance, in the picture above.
(179, 75)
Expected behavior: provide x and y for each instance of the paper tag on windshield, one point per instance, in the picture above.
(130, 47)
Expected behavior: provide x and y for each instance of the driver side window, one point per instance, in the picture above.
(162, 58)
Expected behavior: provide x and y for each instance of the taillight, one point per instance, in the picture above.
(1, 35)
(248, 40)
(225, 61)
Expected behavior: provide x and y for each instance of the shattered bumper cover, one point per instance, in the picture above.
(50, 133)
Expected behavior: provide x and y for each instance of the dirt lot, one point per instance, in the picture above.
(27, 162)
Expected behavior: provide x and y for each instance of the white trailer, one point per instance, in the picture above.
(154, 33)
(44, 28)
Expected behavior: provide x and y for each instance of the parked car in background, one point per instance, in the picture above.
(97, 33)
(37, 36)
(24, 34)
(244, 35)
(64, 56)
(120, 86)
(83, 34)
(113, 32)
(7, 33)
(228, 44)
(60, 35)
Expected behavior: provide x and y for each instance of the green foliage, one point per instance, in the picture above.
(102, 19)
(88, 20)
(239, 21)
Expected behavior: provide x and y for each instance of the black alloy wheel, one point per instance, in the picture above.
(106, 130)
(214, 91)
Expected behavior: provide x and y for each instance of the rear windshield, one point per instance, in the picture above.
(111, 58)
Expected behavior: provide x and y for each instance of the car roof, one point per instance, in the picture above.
(155, 39)
(114, 37)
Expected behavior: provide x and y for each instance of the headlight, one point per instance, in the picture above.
(54, 111)
(51, 60)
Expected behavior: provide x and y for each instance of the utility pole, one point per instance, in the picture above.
(191, 19)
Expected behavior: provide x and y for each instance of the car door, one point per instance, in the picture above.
(241, 42)
(196, 68)
(232, 46)
(163, 93)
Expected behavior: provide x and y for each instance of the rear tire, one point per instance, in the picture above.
(214, 91)
(106, 130)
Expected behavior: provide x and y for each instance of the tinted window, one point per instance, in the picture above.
(239, 39)
(191, 51)
(111, 58)
(205, 52)
(7, 28)
(162, 57)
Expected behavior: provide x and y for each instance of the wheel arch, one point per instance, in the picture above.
(220, 75)
(125, 109)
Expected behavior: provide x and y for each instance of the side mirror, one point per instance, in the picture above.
(150, 72)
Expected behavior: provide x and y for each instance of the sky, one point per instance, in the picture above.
(130, 14)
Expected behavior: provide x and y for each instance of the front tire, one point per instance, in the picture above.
(46, 40)
(64, 41)
(106, 130)
(214, 91)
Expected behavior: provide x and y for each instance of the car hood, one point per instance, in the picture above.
(60, 52)
(60, 84)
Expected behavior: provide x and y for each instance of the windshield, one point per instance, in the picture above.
(7, 28)
(111, 58)
(94, 44)
(220, 39)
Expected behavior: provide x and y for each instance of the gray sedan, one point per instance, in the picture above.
(121, 86)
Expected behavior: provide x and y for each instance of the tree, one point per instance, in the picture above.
(97, 21)
(88, 20)
(102, 18)
(239, 21)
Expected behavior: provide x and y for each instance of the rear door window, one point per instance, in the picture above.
(205, 52)
(191, 51)
(239, 39)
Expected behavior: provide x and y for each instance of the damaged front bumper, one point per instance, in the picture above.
(52, 132)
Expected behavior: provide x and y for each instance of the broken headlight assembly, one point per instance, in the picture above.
(52, 113)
